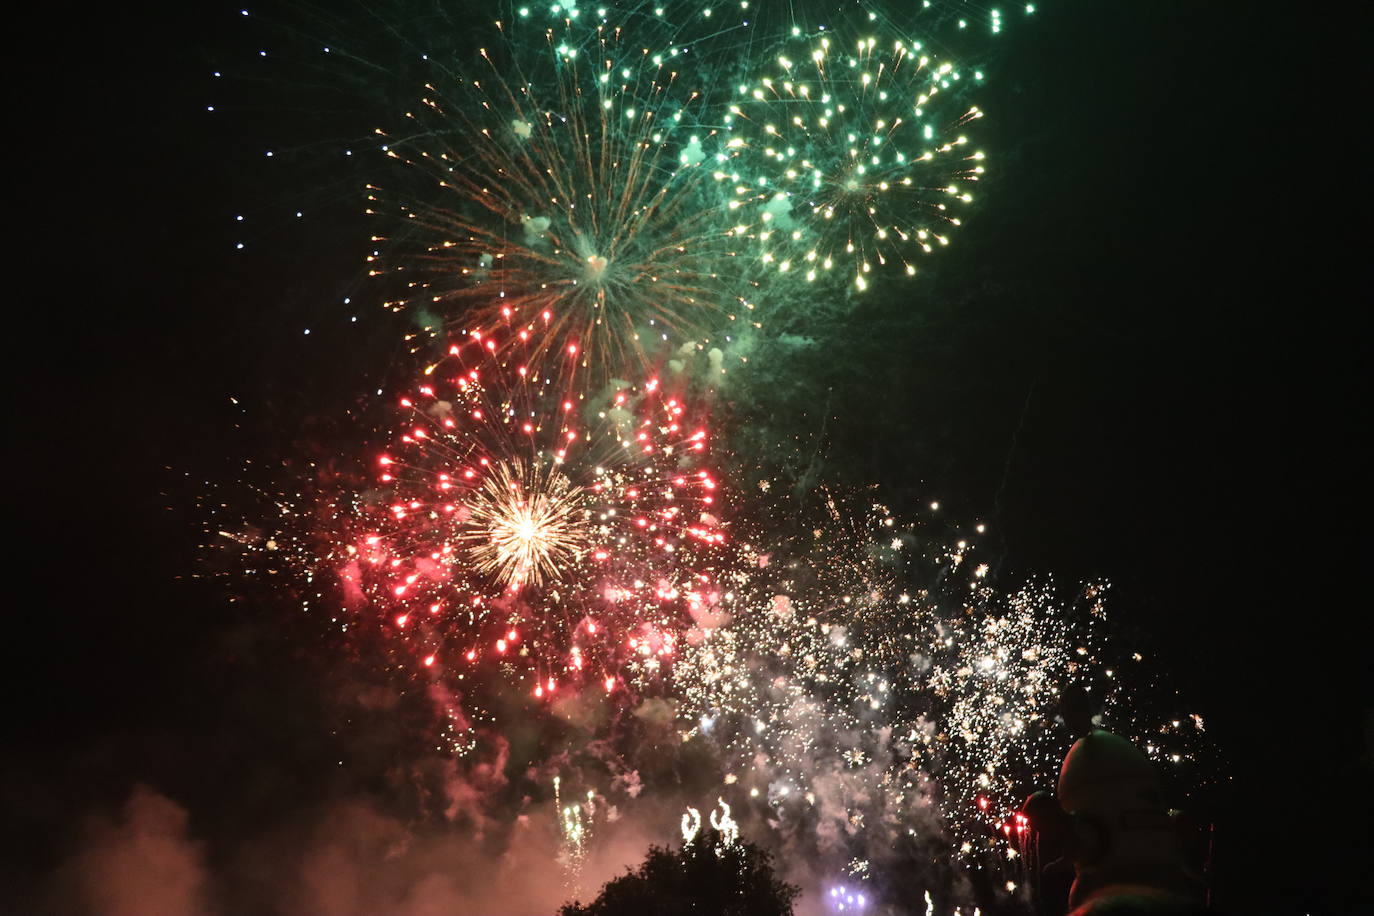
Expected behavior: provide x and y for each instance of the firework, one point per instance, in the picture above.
(576, 822)
(580, 27)
(845, 157)
(871, 684)
(954, 19)
(574, 215)
(608, 192)
(749, 27)
(526, 523)
(515, 522)
(846, 899)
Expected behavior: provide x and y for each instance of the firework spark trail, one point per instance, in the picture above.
(581, 220)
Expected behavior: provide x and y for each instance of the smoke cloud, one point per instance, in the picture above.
(350, 858)
(141, 862)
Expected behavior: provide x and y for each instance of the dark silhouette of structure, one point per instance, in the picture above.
(705, 876)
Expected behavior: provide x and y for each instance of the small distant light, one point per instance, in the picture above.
(209, 107)
(269, 154)
(239, 245)
(299, 214)
(239, 218)
(307, 330)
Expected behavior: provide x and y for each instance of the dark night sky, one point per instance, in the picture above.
(1152, 377)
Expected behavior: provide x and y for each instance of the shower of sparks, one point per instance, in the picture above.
(870, 674)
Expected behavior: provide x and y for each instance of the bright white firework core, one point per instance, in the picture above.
(526, 524)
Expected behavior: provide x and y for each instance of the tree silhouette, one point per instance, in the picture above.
(705, 876)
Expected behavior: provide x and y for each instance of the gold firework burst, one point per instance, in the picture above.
(528, 521)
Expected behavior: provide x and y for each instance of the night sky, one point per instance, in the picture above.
(1142, 363)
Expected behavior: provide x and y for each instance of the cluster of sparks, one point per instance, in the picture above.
(838, 691)
(674, 26)
(577, 218)
(839, 163)
(527, 523)
(610, 198)
(591, 206)
(510, 521)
